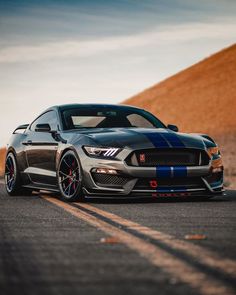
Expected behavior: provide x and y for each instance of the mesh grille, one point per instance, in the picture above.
(109, 180)
(168, 157)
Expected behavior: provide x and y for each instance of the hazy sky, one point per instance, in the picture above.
(54, 52)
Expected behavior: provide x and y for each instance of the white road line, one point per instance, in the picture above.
(201, 254)
(172, 265)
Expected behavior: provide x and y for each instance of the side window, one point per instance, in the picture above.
(47, 118)
(139, 121)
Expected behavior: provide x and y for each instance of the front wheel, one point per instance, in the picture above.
(69, 177)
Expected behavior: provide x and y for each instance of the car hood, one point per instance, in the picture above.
(142, 138)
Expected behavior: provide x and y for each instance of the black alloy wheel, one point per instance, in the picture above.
(70, 177)
(10, 173)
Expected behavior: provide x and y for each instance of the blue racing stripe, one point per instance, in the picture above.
(180, 171)
(163, 171)
(173, 139)
(157, 140)
(171, 189)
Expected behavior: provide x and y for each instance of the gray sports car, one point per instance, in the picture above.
(110, 151)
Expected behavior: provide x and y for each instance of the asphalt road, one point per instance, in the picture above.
(50, 247)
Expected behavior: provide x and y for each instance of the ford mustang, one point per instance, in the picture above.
(110, 151)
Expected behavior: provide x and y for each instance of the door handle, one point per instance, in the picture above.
(28, 142)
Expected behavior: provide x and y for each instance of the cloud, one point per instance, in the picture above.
(160, 37)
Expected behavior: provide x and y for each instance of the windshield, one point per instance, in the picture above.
(108, 117)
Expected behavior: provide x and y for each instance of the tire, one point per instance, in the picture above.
(13, 183)
(69, 177)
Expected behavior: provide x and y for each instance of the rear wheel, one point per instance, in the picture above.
(69, 176)
(13, 181)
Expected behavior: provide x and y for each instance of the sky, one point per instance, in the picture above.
(56, 52)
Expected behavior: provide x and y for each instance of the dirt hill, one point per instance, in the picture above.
(2, 159)
(201, 98)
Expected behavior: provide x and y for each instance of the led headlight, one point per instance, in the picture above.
(101, 152)
(216, 163)
(213, 151)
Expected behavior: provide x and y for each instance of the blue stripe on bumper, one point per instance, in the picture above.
(163, 171)
(166, 171)
(180, 171)
(171, 190)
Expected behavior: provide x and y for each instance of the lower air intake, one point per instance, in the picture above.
(107, 180)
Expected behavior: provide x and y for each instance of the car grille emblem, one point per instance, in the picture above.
(142, 158)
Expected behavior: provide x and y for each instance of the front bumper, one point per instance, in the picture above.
(148, 181)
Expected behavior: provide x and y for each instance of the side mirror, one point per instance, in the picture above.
(42, 128)
(173, 127)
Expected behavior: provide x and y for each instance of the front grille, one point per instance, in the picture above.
(168, 157)
(188, 183)
(108, 180)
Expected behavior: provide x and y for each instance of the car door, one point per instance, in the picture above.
(41, 149)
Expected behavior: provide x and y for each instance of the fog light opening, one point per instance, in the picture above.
(217, 170)
(106, 171)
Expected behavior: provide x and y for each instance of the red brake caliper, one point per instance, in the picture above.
(70, 174)
(11, 171)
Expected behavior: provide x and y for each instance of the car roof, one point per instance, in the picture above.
(76, 105)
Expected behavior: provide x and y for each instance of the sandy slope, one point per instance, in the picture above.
(201, 98)
(2, 159)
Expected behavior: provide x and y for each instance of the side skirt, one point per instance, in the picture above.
(39, 186)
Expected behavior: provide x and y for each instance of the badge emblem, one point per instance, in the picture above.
(142, 158)
(153, 183)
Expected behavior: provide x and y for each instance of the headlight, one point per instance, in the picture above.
(101, 152)
(213, 151)
(216, 159)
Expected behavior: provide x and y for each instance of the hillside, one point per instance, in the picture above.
(201, 98)
(2, 159)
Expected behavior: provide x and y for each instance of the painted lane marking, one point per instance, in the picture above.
(199, 253)
(155, 255)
